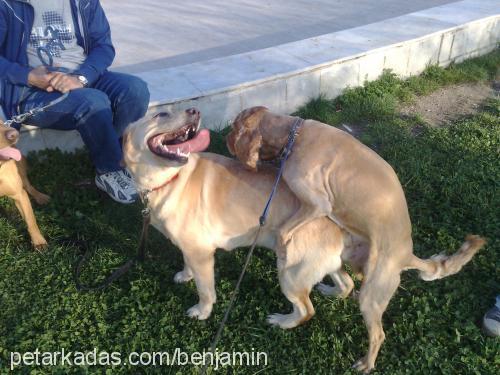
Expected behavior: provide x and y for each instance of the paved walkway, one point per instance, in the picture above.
(155, 34)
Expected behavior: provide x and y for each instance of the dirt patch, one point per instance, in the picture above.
(449, 103)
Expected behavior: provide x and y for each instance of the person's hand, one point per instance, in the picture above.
(40, 77)
(64, 82)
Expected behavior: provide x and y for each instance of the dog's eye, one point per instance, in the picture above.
(161, 114)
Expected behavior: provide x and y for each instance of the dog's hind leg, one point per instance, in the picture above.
(40, 198)
(314, 204)
(23, 204)
(303, 310)
(296, 289)
(343, 285)
(313, 253)
(376, 291)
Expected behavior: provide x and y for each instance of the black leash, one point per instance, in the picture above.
(141, 253)
(262, 221)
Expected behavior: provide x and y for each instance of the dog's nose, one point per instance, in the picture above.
(192, 112)
(12, 135)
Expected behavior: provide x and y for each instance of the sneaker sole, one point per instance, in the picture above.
(102, 187)
(490, 332)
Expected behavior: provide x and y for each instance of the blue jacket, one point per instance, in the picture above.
(16, 21)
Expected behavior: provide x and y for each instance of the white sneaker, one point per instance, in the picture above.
(119, 186)
(491, 320)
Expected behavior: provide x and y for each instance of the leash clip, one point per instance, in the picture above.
(21, 118)
(294, 132)
(18, 119)
(146, 211)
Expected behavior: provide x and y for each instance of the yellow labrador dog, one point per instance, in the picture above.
(335, 175)
(204, 201)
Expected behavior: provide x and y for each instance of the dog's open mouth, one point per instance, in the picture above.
(177, 145)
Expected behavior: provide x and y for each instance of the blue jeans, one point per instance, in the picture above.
(99, 113)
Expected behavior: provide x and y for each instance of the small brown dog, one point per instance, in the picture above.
(14, 183)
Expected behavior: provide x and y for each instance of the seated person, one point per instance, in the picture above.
(51, 47)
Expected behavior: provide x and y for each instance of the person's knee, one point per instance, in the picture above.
(92, 102)
(136, 94)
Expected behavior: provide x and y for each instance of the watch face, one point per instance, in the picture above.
(83, 80)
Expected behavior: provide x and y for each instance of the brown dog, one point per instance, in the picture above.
(14, 183)
(335, 175)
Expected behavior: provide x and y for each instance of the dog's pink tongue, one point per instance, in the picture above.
(8, 153)
(198, 144)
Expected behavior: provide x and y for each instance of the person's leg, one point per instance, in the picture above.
(129, 97)
(89, 112)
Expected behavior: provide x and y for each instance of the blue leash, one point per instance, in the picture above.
(262, 221)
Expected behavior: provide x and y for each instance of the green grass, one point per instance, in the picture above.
(378, 100)
(451, 179)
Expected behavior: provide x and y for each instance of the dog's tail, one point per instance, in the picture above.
(439, 266)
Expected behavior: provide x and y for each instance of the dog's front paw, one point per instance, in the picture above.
(40, 246)
(363, 366)
(199, 312)
(285, 321)
(183, 277)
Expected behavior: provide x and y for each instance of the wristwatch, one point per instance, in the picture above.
(84, 81)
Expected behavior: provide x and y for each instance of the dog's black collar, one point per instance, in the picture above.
(294, 131)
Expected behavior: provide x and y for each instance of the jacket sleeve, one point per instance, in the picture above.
(15, 73)
(101, 51)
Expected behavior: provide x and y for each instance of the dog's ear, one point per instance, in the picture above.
(245, 139)
(247, 149)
